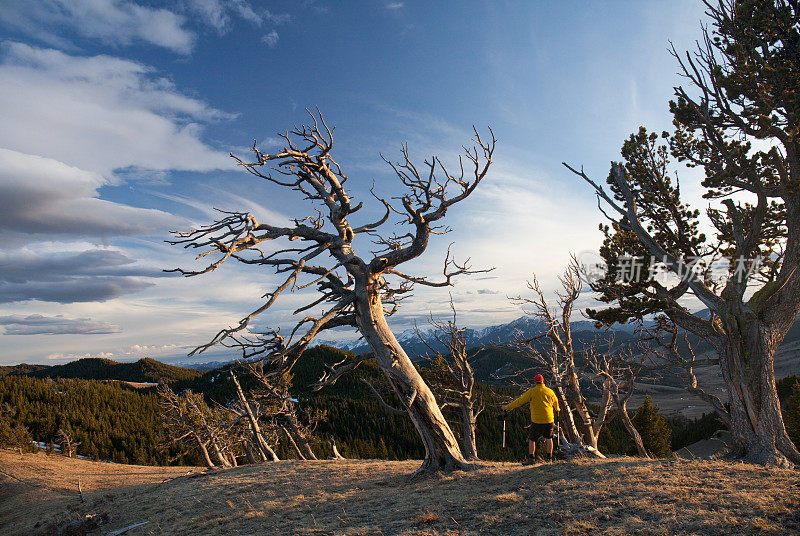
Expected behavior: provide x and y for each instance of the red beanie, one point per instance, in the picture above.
(538, 379)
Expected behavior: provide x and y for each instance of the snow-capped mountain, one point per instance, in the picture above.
(524, 326)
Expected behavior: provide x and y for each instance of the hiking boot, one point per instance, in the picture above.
(530, 460)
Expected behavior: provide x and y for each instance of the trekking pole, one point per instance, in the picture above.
(502, 417)
(558, 435)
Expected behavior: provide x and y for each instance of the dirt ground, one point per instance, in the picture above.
(371, 497)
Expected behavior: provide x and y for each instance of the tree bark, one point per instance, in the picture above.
(442, 451)
(223, 461)
(334, 451)
(757, 429)
(292, 442)
(565, 417)
(272, 456)
(248, 451)
(300, 436)
(590, 432)
(468, 421)
(202, 446)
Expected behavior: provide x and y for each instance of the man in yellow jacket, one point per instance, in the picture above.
(543, 403)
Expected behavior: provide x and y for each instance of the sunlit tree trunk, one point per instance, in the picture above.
(442, 451)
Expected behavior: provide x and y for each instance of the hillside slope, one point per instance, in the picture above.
(622, 496)
(145, 370)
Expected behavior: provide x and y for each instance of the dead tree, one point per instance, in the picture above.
(274, 395)
(616, 373)
(262, 448)
(458, 388)
(675, 354)
(334, 451)
(189, 420)
(240, 431)
(353, 290)
(68, 445)
(559, 357)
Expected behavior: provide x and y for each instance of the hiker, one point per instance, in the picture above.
(543, 403)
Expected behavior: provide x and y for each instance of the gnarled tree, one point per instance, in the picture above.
(256, 444)
(68, 445)
(190, 421)
(456, 387)
(738, 120)
(353, 290)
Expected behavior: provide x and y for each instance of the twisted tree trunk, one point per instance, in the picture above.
(223, 461)
(591, 432)
(335, 455)
(758, 432)
(565, 417)
(442, 451)
(293, 443)
(622, 409)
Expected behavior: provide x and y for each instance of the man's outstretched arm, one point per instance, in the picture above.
(525, 398)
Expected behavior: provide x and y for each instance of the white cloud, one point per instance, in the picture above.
(395, 5)
(271, 39)
(55, 325)
(72, 357)
(112, 22)
(101, 113)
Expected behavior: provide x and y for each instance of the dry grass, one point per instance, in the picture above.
(428, 516)
(367, 497)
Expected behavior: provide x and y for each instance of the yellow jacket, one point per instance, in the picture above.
(543, 402)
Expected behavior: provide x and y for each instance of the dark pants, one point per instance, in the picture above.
(540, 431)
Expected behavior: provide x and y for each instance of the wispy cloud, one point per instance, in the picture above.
(395, 5)
(55, 325)
(112, 22)
(221, 14)
(271, 39)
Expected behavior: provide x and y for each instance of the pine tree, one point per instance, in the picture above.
(653, 428)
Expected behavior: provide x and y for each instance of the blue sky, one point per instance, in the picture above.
(116, 119)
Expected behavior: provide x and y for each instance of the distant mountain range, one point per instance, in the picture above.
(502, 334)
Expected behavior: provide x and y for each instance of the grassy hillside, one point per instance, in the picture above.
(624, 496)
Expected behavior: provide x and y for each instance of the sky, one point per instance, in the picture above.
(117, 119)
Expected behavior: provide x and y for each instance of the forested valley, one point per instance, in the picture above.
(110, 419)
